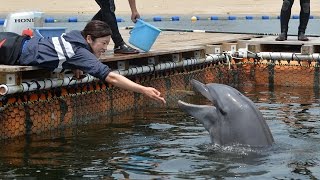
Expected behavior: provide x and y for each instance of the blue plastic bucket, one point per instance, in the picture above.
(143, 35)
(48, 32)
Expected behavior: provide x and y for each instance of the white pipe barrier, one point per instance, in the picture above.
(171, 65)
(288, 56)
(243, 53)
(42, 84)
(69, 80)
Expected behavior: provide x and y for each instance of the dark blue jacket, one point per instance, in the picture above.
(70, 51)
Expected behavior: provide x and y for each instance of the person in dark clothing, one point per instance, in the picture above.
(10, 47)
(107, 14)
(75, 50)
(285, 17)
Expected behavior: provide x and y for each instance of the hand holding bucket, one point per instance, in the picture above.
(143, 35)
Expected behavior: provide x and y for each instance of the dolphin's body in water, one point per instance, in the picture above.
(233, 118)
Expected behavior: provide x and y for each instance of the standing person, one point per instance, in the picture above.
(76, 50)
(285, 17)
(107, 14)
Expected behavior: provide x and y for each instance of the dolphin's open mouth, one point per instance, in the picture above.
(200, 87)
(203, 113)
(210, 95)
(192, 109)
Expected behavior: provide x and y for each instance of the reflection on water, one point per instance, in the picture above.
(165, 143)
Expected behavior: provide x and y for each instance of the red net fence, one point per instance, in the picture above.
(64, 107)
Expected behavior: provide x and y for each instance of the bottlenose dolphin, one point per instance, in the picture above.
(233, 118)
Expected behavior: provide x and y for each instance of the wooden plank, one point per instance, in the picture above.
(307, 49)
(7, 68)
(254, 48)
(230, 46)
(176, 39)
(269, 44)
(170, 42)
(11, 78)
(213, 49)
(170, 50)
(292, 40)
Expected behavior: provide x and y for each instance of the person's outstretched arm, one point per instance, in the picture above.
(134, 12)
(125, 83)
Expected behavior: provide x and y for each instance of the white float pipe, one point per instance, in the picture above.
(243, 53)
(42, 84)
(69, 80)
(288, 56)
(170, 65)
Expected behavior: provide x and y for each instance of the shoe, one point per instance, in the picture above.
(125, 49)
(302, 37)
(282, 37)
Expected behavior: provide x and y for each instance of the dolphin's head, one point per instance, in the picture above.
(231, 118)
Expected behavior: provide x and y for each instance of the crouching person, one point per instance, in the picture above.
(76, 50)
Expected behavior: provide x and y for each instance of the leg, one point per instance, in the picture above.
(97, 16)
(304, 19)
(107, 15)
(284, 19)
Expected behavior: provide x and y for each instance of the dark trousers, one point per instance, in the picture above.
(106, 14)
(286, 14)
(11, 47)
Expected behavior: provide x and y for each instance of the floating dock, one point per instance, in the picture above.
(34, 101)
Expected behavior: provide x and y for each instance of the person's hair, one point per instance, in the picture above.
(96, 29)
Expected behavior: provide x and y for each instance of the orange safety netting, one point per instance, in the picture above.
(60, 108)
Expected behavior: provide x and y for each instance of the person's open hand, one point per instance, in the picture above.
(154, 94)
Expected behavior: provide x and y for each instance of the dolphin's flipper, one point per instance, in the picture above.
(204, 113)
(202, 88)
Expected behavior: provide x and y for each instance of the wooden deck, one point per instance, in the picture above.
(268, 44)
(178, 44)
(170, 42)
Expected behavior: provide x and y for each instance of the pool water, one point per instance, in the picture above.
(269, 26)
(165, 143)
